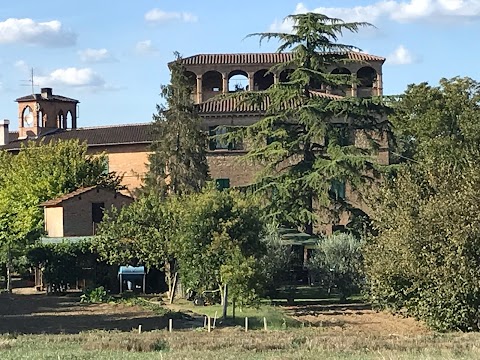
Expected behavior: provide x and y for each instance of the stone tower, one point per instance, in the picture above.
(44, 112)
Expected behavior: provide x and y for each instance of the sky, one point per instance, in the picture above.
(112, 55)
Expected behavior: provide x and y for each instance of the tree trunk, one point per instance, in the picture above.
(225, 302)
(9, 271)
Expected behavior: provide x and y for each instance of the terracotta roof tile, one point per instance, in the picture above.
(261, 58)
(231, 105)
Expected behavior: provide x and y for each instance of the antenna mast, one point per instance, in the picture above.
(30, 82)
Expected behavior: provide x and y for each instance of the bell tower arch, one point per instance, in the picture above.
(44, 112)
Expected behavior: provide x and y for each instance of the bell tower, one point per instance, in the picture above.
(44, 112)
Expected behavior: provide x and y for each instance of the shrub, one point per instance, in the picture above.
(97, 295)
(337, 263)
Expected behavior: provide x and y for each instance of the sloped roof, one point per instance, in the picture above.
(261, 58)
(39, 97)
(231, 105)
(93, 136)
(78, 192)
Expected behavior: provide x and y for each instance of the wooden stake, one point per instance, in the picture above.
(246, 324)
(215, 319)
(209, 327)
(265, 324)
(139, 329)
(170, 325)
(205, 321)
(172, 295)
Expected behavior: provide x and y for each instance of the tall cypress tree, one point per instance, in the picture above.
(177, 164)
(301, 138)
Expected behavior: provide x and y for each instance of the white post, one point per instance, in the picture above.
(265, 324)
(170, 325)
(246, 324)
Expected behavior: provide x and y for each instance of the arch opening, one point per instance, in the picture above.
(285, 75)
(61, 120)
(262, 80)
(68, 119)
(238, 81)
(345, 76)
(41, 118)
(27, 116)
(211, 84)
(366, 76)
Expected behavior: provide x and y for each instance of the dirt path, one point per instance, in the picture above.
(35, 313)
(356, 318)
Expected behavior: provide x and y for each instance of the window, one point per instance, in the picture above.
(222, 183)
(337, 190)
(216, 142)
(97, 212)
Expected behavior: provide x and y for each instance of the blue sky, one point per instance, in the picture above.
(113, 55)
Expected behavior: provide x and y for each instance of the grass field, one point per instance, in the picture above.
(36, 326)
(306, 343)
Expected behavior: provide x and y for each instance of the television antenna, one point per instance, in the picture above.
(30, 82)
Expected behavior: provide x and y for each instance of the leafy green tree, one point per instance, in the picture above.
(178, 162)
(275, 264)
(40, 172)
(218, 240)
(303, 138)
(425, 258)
(338, 263)
(140, 234)
(425, 113)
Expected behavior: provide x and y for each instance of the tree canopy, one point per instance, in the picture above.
(39, 172)
(304, 141)
(425, 258)
(178, 161)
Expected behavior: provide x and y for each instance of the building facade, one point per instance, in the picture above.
(51, 117)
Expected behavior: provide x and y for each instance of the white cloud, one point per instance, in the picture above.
(160, 16)
(399, 11)
(73, 77)
(50, 34)
(21, 65)
(145, 47)
(95, 55)
(401, 56)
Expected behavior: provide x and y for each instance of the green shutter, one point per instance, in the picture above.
(222, 183)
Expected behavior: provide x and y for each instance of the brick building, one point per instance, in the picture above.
(52, 117)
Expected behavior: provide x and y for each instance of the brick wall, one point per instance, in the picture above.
(77, 212)
(127, 160)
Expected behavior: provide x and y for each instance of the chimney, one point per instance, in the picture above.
(46, 93)
(4, 140)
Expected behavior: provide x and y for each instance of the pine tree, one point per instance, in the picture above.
(178, 163)
(301, 138)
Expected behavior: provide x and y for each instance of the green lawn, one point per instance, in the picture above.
(275, 316)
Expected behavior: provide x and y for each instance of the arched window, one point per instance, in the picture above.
(192, 81)
(237, 81)
(211, 84)
(262, 80)
(366, 76)
(68, 120)
(285, 75)
(61, 120)
(40, 118)
(27, 117)
(344, 76)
